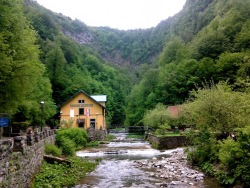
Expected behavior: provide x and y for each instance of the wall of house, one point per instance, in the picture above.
(167, 142)
(97, 112)
(21, 158)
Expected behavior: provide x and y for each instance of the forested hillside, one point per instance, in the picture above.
(71, 66)
(40, 63)
(48, 56)
(209, 42)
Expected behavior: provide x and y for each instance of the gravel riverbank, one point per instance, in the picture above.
(174, 170)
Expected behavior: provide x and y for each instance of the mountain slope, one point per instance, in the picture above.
(71, 66)
(135, 47)
(195, 45)
(199, 51)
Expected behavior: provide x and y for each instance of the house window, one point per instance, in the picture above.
(81, 111)
(81, 101)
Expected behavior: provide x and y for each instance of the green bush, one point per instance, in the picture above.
(229, 151)
(68, 146)
(77, 135)
(51, 149)
(162, 129)
(204, 147)
(223, 178)
(235, 158)
(157, 117)
(208, 168)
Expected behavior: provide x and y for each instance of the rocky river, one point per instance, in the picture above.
(132, 163)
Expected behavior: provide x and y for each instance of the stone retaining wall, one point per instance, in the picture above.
(167, 142)
(21, 157)
(96, 134)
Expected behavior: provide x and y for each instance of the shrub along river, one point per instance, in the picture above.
(127, 162)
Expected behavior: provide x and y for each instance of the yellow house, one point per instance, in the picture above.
(84, 111)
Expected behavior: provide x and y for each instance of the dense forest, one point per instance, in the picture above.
(208, 41)
(197, 60)
(48, 57)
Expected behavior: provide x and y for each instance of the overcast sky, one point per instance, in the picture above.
(119, 14)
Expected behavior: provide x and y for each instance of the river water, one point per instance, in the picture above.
(117, 168)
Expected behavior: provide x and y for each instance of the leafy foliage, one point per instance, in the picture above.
(63, 175)
(218, 109)
(234, 156)
(68, 146)
(66, 123)
(157, 117)
(22, 81)
(211, 110)
(215, 113)
(204, 148)
(51, 149)
(199, 43)
(71, 139)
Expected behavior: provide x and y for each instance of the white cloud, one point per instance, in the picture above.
(121, 14)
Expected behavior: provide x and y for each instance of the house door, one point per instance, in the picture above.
(81, 123)
(92, 123)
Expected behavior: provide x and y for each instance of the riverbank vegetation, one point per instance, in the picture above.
(217, 120)
(71, 168)
(71, 139)
(220, 133)
(161, 121)
(93, 144)
(62, 174)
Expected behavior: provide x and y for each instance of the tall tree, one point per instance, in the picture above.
(19, 56)
(22, 81)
